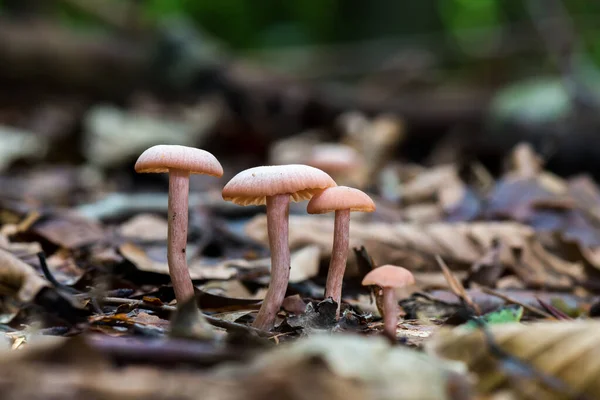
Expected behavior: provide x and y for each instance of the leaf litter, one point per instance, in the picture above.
(506, 278)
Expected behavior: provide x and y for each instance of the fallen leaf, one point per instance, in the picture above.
(68, 230)
(385, 372)
(427, 185)
(317, 317)
(414, 246)
(19, 279)
(19, 284)
(189, 323)
(145, 227)
(144, 262)
(18, 144)
(305, 263)
(113, 136)
(67, 368)
(63, 267)
(566, 351)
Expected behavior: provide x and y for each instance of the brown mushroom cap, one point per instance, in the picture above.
(254, 185)
(162, 158)
(390, 276)
(340, 198)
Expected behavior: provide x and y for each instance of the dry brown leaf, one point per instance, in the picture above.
(231, 288)
(586, 194)
(568, 351)
(68, 230)
(375, 140)
(430, 182)
(322, 368)
(304, 264)
(147, 227)
(20, 249)
(387, 372)
(525, 162)
(63, 267)
(144, 262)
(414, 246)
(26, 379)
(19, 279)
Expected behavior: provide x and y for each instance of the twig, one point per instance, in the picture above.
(456, 287)
(48, 274)
(232, 326)
(555, 312)
(510, 300)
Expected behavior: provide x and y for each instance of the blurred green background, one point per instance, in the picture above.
(248, 24)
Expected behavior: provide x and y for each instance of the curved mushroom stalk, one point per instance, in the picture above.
(278, 208)
(339, 257)
(179, 183)
(390, 313)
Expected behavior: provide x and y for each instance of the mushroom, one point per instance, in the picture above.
(179, 162)
(342, 200)
(275, 186)
(389, 278)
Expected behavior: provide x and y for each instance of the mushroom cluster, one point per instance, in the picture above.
(275, 187)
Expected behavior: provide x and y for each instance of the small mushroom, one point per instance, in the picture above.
(389, 278)
(179, 162)
(342, 200)
(275, 186)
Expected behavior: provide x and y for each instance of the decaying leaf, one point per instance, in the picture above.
(17, 144)
(375, 141)
(442, 181)
(415, 246)
(63, 267)
(145, 262)
(114, 136)
(19, 279)
(70, 369)
(304, 264)
(317, 317)
(189, 323)
(145, 227)
(68, 230)
(383, 371)
(566, 353)
(18, 282)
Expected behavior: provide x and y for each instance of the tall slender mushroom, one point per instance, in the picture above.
(275, 186)
(389, 278)
(179, 162)
(342, 200)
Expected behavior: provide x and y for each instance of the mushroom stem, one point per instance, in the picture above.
(390, 313)
(179, 184)
(278, 208)
(339, 256)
